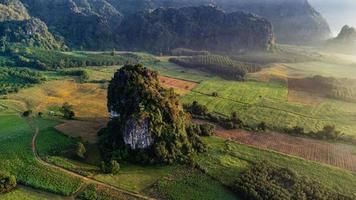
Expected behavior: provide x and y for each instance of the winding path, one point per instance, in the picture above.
(86, 179)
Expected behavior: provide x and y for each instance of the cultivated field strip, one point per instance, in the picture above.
(335, 154)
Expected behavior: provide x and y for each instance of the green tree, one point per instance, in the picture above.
(7, 182)
(67, 111)
(114, 167)
(80, 150)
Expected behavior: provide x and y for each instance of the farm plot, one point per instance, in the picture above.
(255, 102)
(225, 160)
(180, 86)
(87, 130)
(336, 154)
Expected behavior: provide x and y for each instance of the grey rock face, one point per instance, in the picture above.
(137, 135)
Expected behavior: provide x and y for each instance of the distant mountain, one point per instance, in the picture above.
(17, 26)
(294, 21)
(347, 34)
(198, 28)
(345, 41)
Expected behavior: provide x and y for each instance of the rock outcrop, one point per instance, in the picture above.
(148, 123)
(137, 135)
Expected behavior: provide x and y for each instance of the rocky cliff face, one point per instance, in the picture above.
(136, 134)
(199, 28)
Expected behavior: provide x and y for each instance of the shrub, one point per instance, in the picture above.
(27, 113)
(80, 150)
(67, 111)
(113, 167)
(207, 129)
(7, 182)
(262, 126)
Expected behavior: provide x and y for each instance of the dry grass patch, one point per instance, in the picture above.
(89, 100)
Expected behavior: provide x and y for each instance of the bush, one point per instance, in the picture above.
(80, 150)
(67, 111)
(27, 113)
(207, 129)
(262, 126)
(113, 167)
(7, 182)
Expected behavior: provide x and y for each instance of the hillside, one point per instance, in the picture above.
(198, 28)
(96, 24)
(82, 23)
(17, 26)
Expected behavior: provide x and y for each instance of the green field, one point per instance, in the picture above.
(17, 158)
(195, 185)
(225, 160)
(257, 101)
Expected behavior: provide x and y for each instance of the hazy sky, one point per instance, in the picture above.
(337, 12)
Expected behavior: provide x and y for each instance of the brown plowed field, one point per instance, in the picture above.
(335, 154)
(181, 86)
(87, 130)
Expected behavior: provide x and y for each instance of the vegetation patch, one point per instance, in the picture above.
(195, 185)
(97, 192)
(218, 65)
(43, 59)
(14, 79)
(7, 182)
(226, 161)
(265, 181)
(343, 89)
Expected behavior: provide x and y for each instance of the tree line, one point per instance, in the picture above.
(219, 65)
